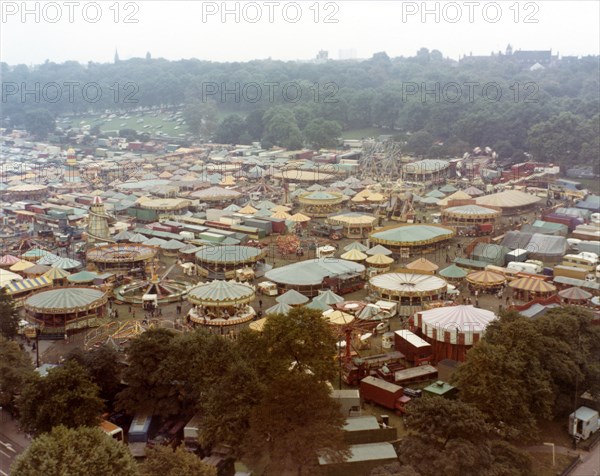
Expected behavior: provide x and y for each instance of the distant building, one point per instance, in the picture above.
(347, 54)
(322, 56)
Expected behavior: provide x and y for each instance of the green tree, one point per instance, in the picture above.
(230, 130)
(40, 122)
(66, 396)
(226, 405)
(75, 452)
(16, 370)
(302, 339)
(295, 422)
(321, 133)
(163, 461)
(559, 139)
(281, 128)
(104, 368)
(148, 388)
(201, 117)
(9, 317)
(452, 438)
(419, 143)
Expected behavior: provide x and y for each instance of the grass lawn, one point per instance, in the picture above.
(593, 185)
(355, 134)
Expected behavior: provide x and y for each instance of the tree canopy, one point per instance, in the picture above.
(163, 461)
(66, 396)
(525, 370)
(9, 317)
(452, 438)
(74, 452)
(16, 370)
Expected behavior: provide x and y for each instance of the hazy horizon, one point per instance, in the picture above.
(198, 30)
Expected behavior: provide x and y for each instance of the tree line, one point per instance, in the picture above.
(452, 106)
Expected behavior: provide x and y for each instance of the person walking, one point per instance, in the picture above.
(260, 303)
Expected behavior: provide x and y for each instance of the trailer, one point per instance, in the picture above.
(345, 283)
(417, 350)
(415, 374)
(385, 394)
(358, 368)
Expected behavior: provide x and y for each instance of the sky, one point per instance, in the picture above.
(32, 32)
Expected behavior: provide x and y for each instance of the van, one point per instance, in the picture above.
(529, 268)
(579, 261)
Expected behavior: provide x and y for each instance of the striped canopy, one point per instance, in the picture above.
(575, 294)
(279, 308)
(8, 260)
(292, 298)
(26, 284)
(532, 285)
(221, 294)
(486, 278)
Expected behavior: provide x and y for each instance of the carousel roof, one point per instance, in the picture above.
(82, 277)
(435, 194)
(354, 255)
(123, 236)
(229, 254)
(448, 188)
(37, 269)
(247, 210)
(48, 258)
(379, 250)
(57, 273)
(320, 196)
(21, 265)
(173, 245)
(67, 299)
(423, 265)
(312, 272)
(409, 284)
(473, 191)
(318, 305)
(353, 218)
(221, 293)
(355, 245)
(299, 218)
(459, 195)
(462, 318)
(292, 298)
(232, 208)
(65, 263)
(453, 272)
(575, 294)
(216, 193)
(279, 308)
(508, 199)
(379, 259)
(8, 260)
(328, 297)
(412, 234)
(338, 318)
(532, 285)
(471, 211)
(281, 215)
(8, 276)
(486, 278)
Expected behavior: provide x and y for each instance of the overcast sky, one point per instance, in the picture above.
(194, 29)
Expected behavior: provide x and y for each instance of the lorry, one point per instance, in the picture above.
(333, 232)
(345, 283)
(353, 372)
(572, 272)
(479, 229)
(529, 268)
(191, 433)
(385, 394)
(415, 374)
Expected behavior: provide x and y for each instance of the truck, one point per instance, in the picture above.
(572, 272)
(479, 229)
(191, 433)
(415, 374)
(345, 283)
(333, 232)
(529, 268)
(353, 372)
(137, 437)
(385, 394)
(417, 350)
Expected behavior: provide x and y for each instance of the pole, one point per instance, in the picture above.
(37, 347)
(553, 452)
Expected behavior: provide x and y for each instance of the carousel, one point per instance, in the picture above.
(487, 281)
(452, 330)
(378, 264)
(409, 289)
(412, 237)
(355, 225)
(468, 216)
(222, 262)
(124, 258)
(57, 311)
(158, 289)
(526, 289)
(221, 306)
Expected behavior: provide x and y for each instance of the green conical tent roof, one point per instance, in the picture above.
(279, 308)
(453, 272)
(292, 298)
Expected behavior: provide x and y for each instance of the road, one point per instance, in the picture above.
(12, 442)
(9, 450)
(590, 465)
